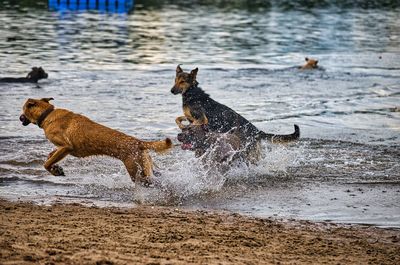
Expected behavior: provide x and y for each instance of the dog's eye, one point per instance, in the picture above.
(31, 104)
(181, 82)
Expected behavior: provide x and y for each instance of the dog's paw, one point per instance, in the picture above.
(146, 183)
(56, 170)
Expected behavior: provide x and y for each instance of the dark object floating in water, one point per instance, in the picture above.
(112, 6)
(33, 76)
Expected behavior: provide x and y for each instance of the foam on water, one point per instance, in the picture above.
(183, 176)
(180, 176)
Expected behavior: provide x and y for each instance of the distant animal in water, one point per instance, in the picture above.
(76, 135)
(199, 108)
(310, 64)
(33, 76)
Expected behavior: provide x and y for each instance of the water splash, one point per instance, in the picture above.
(183, 176)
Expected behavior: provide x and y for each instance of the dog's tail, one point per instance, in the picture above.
(281, 138)
(158, 146)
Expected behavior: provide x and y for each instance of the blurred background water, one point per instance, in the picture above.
(114, 61)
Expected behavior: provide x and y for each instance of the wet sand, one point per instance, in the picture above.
(74, 234)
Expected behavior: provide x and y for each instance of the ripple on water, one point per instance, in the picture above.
(118, 69)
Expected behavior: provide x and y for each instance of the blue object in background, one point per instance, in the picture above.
(112, 6)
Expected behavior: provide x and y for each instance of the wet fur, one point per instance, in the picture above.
(33, 76)
(199, 108)
(216, 150)
(76, 135)
(200, 140)
(310, 64)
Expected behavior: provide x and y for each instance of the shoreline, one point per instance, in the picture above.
(76, 234)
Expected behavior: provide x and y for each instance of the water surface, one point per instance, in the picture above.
(117, 68)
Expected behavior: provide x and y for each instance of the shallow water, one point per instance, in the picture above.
(118, 68)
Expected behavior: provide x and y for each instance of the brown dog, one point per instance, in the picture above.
(77, 135)
(310, 64)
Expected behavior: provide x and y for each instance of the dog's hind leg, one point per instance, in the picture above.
(138, 168)
(55, 157)
(147, 165)
(132, 167)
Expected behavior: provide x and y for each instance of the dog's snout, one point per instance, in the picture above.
(24, 120)
(180, 137)
(174, 90)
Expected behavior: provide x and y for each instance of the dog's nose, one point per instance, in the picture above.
(24, 120)
(174, 90)
(180, 137)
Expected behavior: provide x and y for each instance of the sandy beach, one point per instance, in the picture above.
(332, 197)
(74, 234)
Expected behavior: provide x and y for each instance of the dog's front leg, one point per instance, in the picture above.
(179, 121)
(55, 157)
(51, 153)
(199, 116)
(139, 167)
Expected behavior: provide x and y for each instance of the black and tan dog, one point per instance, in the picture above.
(33, 76)
(199, 108)
(76, 135)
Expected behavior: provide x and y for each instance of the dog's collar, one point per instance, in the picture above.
(44, 116)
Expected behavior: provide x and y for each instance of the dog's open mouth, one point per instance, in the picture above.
(24, 120)
(187, 146)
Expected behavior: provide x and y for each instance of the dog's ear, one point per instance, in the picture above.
(46, 99)
(306, 59)
(34, 69)
(179, 69)
(193, 73)
(31, 104)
